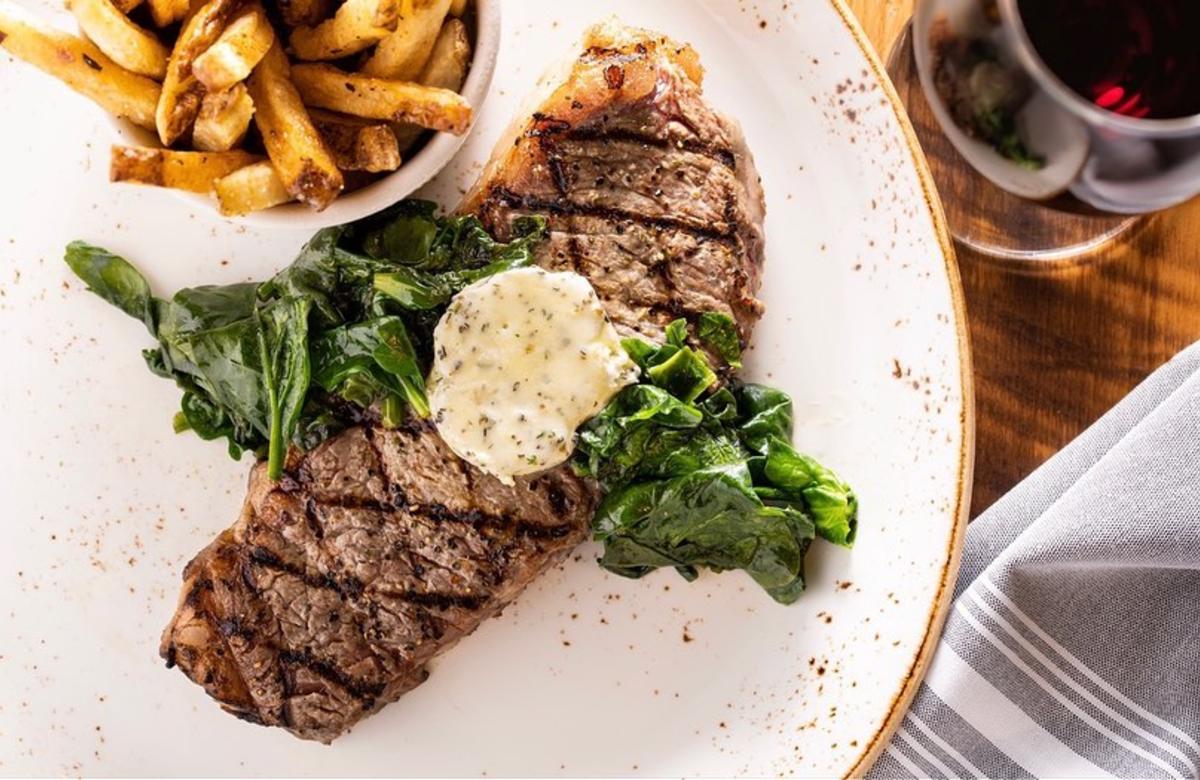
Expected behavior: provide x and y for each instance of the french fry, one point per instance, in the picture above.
(304, 13)
(124, 42)
(167, 12)
(191, 171)
(253, 188)
(303, 163)
(357, 25)
(79, 64)
(223, 120)
(324, 86)
(402, 54)
(236, 52)
(227, 67)
(446, 69)
(358, 144)
(181, 90)
(458, 7)
(450, 58)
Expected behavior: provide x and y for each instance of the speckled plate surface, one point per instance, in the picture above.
(588, 673)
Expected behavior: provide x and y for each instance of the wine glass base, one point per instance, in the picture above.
(982, 217)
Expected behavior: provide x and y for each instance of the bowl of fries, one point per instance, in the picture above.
(282, 113)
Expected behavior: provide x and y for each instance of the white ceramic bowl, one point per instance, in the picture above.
(412, 174)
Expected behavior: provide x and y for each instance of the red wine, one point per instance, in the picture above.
(1140, 58)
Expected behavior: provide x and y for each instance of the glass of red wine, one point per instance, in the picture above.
(1081, 111)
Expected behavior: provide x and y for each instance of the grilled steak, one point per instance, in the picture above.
(338, 583)
(380, 548)
(650, 193)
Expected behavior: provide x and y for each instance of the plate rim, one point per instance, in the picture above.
(901, 700)
(937, 608)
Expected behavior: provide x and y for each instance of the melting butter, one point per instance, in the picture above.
(521, 360)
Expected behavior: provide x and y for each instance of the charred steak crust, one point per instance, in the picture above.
(376, 552)
(379, 549)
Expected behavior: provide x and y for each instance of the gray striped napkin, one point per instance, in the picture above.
(1073, 647)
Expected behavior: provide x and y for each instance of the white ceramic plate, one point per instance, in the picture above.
(589, 673)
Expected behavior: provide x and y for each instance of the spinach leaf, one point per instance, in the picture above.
(831, 501)
(719, 332)
(395, 355)
(209, 342)
(207, 420)
(641, 421)
(337, 281)
(721, 406)
(282, 330)
(686, 374)
(404, 234)
(211, 307)
(213, 404)
(764, 413)
(114, 280)
(708, 517)
(648, 355)
(339, 353)
(243, 364)
(378, 355)
(416, 289)
(642, 352)
(429, 285)
(673, 365)
(462, 243)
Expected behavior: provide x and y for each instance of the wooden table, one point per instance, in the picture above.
(1056, 345)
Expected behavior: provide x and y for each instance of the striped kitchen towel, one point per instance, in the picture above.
(1073, 646)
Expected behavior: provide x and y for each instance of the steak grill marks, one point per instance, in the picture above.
(550, 134)
(720, 154)
(302, 482)
(502, 196)
(365, 692)
(359, 596)
(362, 601)
(359, 601)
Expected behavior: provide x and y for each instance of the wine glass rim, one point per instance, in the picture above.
(1034, 64)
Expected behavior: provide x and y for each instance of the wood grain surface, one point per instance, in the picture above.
(1056, 344)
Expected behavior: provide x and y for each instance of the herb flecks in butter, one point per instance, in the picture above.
(521, 360)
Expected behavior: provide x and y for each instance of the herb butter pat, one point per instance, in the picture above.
(522, 359)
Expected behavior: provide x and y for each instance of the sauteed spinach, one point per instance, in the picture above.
(701, 476)
(698, 473)
(348, 322)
